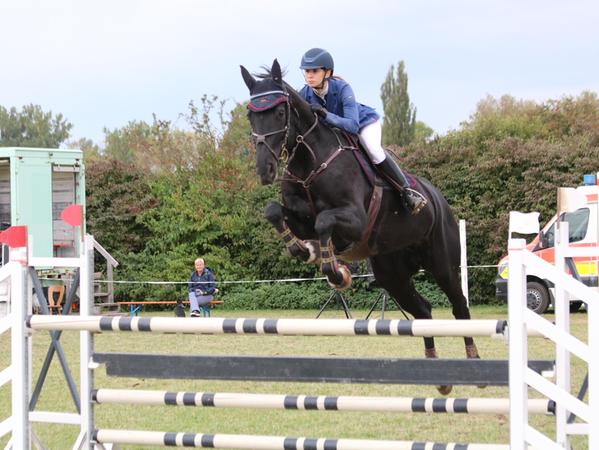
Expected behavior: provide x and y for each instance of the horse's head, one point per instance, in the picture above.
(270, 107)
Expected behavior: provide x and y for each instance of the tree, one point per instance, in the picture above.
(116, 194)
(90, 149)
(32, 127)
(236, 137)
(161, 146)
(422, 132)
(399, 123)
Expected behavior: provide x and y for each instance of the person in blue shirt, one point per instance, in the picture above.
(334, 101)
(201, 287)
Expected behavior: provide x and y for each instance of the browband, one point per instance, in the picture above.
(267, 93)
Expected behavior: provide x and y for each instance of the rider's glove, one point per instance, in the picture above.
(318, 109)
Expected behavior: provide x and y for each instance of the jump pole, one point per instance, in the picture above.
(320, 403)
(287, 327)
(252, 442)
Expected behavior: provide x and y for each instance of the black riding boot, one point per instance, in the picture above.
(414, 200)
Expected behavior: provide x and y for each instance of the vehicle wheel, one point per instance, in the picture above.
(575, 306)
(537, 297)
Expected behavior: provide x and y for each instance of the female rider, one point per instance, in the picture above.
(333, 100)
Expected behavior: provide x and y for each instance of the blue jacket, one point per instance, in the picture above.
(342, 109)
(204, 282)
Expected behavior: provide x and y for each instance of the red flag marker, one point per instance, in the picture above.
(73, 215)
(15, 236)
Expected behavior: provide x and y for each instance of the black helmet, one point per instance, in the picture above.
(317, 58)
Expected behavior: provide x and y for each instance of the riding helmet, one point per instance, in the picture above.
(317, 58)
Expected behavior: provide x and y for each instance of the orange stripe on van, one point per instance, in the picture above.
(592, 197)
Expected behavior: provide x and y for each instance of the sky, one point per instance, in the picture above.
(105, 63)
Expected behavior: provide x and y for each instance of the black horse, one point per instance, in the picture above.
(334, 205)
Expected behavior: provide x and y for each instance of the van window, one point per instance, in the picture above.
(578, 222)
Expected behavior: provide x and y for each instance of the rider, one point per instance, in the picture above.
(334, 101)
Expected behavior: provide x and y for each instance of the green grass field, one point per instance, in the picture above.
(461, 428)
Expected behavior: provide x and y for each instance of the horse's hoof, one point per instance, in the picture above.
(345, 279)
(472, 352)
(445, 390)
(430, 353)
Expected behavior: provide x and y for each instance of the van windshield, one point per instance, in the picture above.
(577, 221)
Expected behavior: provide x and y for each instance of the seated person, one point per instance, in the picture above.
(201, 287)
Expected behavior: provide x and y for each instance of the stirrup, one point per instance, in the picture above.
(414, 200)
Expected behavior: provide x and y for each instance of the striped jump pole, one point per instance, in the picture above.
(240, 441)
(320, 403)
(290, 327)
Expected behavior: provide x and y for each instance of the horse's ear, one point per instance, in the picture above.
(250, 81)
(275, 72)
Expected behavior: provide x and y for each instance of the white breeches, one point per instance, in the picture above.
(370, 137)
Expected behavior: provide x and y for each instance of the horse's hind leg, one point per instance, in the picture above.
(393, 275)
(449, 282)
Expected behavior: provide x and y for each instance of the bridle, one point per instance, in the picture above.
(267, 100)
(261, 138)
(284, 155)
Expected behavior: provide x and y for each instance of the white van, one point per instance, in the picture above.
(583, 231)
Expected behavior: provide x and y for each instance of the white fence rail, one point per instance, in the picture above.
(521, 319)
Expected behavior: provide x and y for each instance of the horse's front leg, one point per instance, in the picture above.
(348, 224)
(278, 216)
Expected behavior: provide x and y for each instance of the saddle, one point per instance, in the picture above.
(369, 168)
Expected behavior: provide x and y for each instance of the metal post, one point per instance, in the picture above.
(562, 322)
(593, 398)
(20, 359)
(464, 261)
(518, 345)
(109, 275)
(86, 343)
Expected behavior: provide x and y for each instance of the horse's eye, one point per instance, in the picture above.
(281, 112)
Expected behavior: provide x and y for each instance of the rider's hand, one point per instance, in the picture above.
(318, 109)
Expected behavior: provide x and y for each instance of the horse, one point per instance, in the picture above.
(334, 205)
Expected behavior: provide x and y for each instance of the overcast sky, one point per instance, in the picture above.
(104, 63)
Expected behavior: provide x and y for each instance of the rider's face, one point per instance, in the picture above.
(315, 77)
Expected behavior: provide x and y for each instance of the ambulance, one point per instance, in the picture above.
(583, 231)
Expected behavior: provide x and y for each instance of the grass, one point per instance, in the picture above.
(398, 426)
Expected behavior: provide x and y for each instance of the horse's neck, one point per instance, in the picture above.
(321, 141)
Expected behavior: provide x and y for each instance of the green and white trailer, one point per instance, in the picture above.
(36, 184)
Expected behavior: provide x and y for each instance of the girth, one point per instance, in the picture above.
(361, 250)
